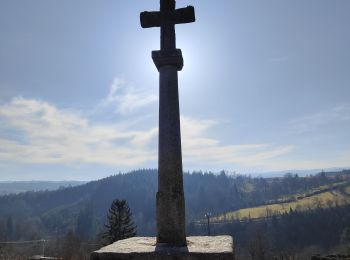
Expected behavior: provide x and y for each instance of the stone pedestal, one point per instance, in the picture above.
(145, 248)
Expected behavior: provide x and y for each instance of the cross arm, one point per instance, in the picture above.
(178, 16)
(184, 15)
(150, 19)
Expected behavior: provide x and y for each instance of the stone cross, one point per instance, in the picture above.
(169, 60)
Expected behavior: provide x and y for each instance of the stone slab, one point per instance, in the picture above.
(145, 248)
(331, 257)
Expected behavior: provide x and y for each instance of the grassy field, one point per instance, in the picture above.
(347, 190)
(328, 198)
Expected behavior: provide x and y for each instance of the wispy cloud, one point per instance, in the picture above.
(51, 135)
(37, 132)
(312, 122)
(197, 147)
(47, 134)
(278, 58)
(125, 98)
(338, 159)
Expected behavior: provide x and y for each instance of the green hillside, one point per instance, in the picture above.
(325, 196)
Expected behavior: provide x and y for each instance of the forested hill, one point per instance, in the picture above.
(83, 208)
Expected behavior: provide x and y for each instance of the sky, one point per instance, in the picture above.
(265, 87)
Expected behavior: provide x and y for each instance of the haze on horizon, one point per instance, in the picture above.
(265, 87)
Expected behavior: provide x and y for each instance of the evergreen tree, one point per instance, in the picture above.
(119, 223)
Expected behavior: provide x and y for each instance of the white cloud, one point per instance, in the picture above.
(47, 134)
(312, 122)
(37, 132)
(339, 159)
(126, 99)
(50, 135)
(203, 150)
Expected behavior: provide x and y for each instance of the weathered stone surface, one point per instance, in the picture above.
(168, 60)
(170, 195)
(166, 20)
(173, 58)
(331, 257)
(145, 248)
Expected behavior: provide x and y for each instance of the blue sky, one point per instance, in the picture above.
(265, 87)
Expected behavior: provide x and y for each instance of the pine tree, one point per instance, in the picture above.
(119, 223)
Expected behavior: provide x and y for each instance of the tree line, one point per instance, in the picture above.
(82, 211)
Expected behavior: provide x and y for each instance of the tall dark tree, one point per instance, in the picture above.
(119, 223)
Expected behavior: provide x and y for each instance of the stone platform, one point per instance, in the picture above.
(145, 248)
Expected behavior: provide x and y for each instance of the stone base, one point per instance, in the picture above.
(145, 248)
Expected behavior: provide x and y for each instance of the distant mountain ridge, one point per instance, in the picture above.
(301, 173)
(14, 187)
